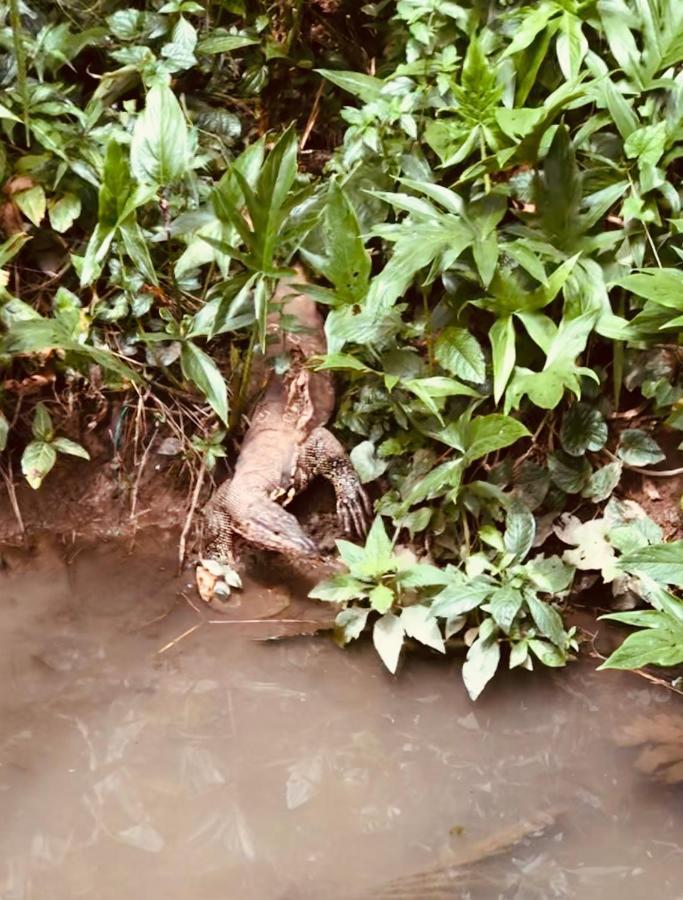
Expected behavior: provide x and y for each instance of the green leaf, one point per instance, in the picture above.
(381, 598)
(520, 530)
(367, 87)
(569, 473)
(347, 264)
(662, 646)
(387, 636)
(638, 449)
(32, 203)
(224, 43)
(64, 445)
(504, 605)
(350, 623)
(419, 623)
(547, 620)
(550, 575)
(662, 286)
(548, 654)
(160, 147)
(488, 433)
(201, 370)
(602, 482)
(482, 660)
(646, 144)
(64, 212)
(37, 460)
(4, 431)
(366, 463)
(41, 426)
(663, 563)
(583, 428)
(460, 354)
(378, 551)
(503, 355)
(339, 361)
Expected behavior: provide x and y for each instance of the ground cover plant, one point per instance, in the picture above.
(487, 199)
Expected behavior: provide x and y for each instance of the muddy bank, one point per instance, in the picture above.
(134, 760)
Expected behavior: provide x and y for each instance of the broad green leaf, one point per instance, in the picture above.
(663, 563)
(350, 623)
(419, 623)
(569, 473)
(366, 463)
(378, 552)
(160, 147)
(37, 460)
(387, 636)
(503, 605)
(638, 449)
(646, 144)
(547, 619)
(32, 203)
(381, 598)
(488, 433)
(339, 361)
(583, 428)
(661, 646)
(482, 660)
(64, 445)
(549, 654)
(460, 354)
(549, 574)
(367, 87)
(224, 43)
(347, 263)
(41, 426)
(520, 530)
(64, 211)
(201, 370)
(663, 286)
(602, 482)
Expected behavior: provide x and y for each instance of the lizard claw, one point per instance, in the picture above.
(354, 511)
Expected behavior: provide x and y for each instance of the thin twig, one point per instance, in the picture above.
(310, 123)
(179, 638)
(12, 494)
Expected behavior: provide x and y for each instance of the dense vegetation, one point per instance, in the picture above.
(487, 198)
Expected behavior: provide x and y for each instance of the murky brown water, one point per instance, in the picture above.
(228, 768)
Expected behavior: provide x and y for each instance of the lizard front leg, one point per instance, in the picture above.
(220, 545)
(322, 454)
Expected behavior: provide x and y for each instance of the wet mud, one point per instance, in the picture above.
(146, 751)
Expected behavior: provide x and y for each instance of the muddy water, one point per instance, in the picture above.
(226, 767)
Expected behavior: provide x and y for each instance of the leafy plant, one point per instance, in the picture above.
(40, 454)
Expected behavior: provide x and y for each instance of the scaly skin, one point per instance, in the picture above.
(285, 447)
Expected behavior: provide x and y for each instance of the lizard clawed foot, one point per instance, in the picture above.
(355, 511)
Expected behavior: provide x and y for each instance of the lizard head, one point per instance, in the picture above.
(273, 528)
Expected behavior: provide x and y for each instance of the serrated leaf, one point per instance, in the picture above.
(569, 473)
(583, 428)
(201, 370)
(381, 598)
(37, 460)
(638, 449)
(459, 353)
(387, 636)
(419, 623)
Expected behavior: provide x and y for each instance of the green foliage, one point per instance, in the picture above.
(40, 454)
(496, 242)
